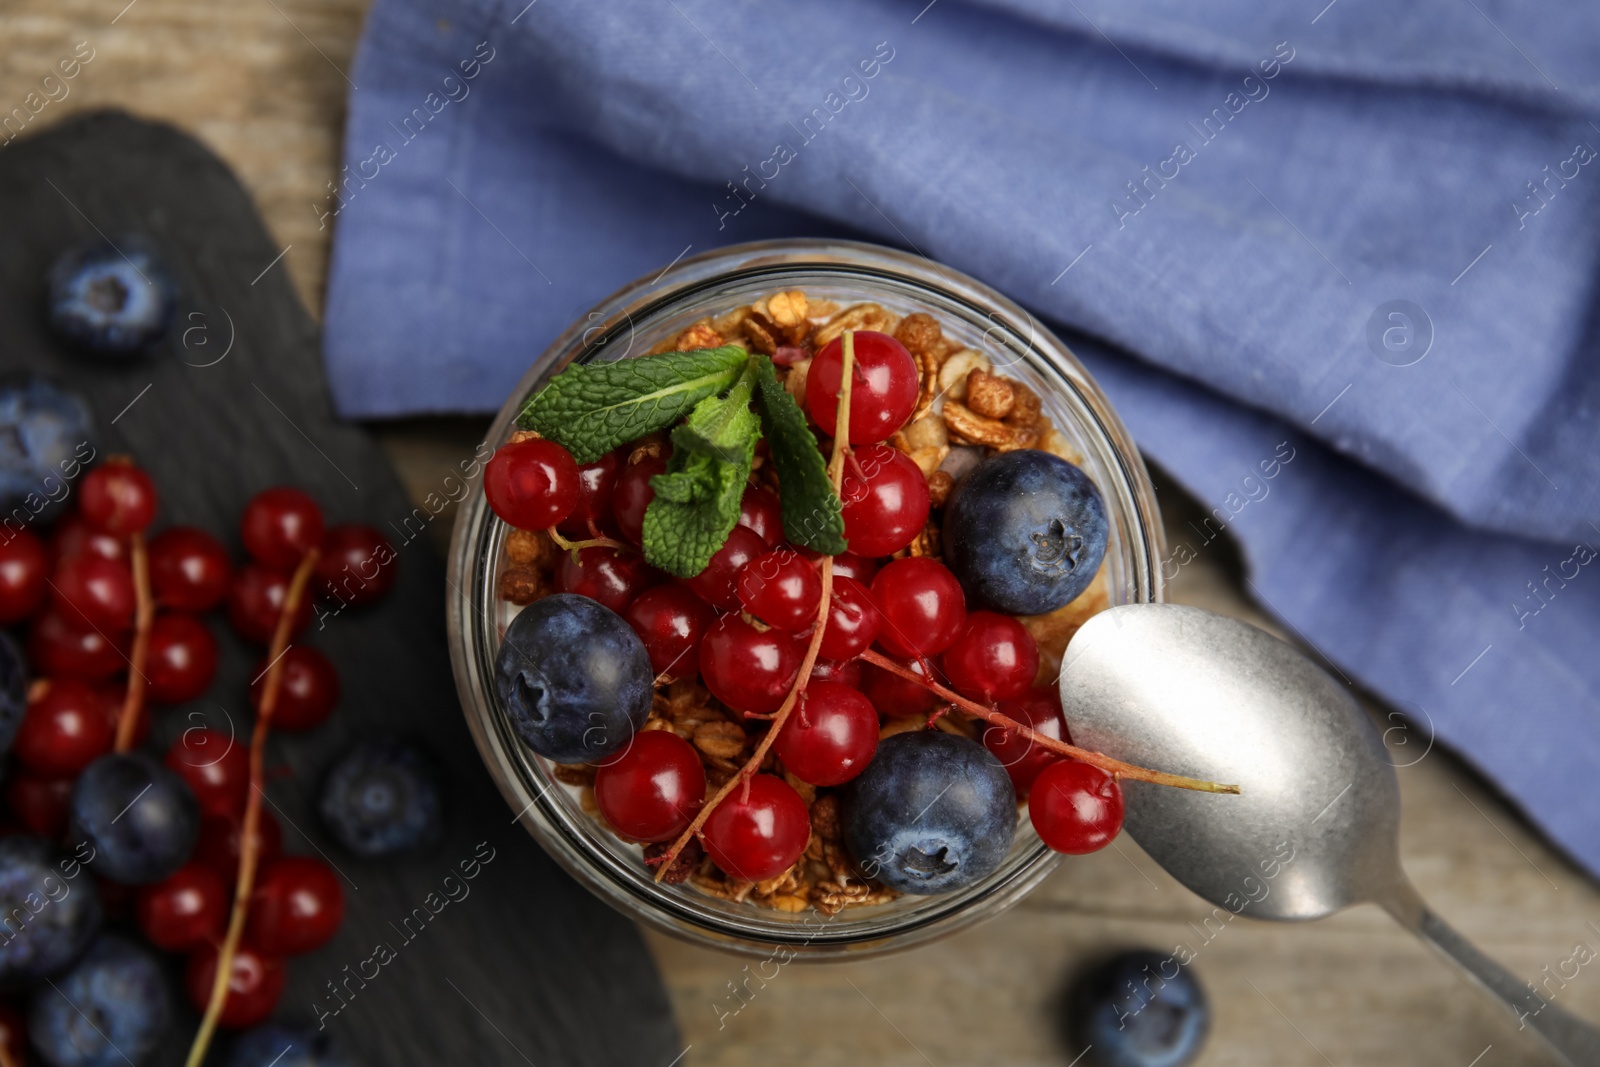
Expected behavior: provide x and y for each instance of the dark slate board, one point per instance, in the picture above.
(528, 968)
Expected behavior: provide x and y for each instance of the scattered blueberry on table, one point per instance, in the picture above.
(1130, 1013)
(46, 433)
(115, 299)
(141, 818)
(279, 1046)
(29, 867)
(382, 798)
(109, 1010)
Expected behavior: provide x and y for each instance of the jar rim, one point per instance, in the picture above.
(476, 538)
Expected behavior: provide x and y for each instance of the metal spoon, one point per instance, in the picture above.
(1316, 828)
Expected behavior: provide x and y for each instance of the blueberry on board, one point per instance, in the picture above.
(111, 298)
(13, 690)
(140, 818)
(1140, 1009)
(279, 1046)
(46, 436)
(382, 797)
(49, 909)
(1025, 532)
(108, 1011)
(574, 678)
(932, 812)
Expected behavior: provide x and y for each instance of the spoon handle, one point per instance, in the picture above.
(1572, 1039)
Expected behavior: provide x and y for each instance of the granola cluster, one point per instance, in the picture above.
(966, 410)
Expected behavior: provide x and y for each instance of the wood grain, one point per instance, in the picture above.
(1349, 990)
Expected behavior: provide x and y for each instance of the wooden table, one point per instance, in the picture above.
(263, 83)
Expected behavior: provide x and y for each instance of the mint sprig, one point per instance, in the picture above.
(591, 408)
(697, 499)
(813, 515)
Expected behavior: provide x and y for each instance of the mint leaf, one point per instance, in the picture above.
(812, 512)
(591, 408)
(697, 499)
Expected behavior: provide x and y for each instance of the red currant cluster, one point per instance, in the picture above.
(113, 622)
(898, 640)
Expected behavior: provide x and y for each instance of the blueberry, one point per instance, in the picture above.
(279, 1046)
(574, 678)
(382, 797)
(13, 690)
(49, 906)
(45, 438)
(115, 299)
(1141, 1009)
(1025, 532)
(108, 1011)
(140, 818)
(931, 813)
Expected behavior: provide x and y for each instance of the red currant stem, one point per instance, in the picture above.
(593, 542)
(144, 617)
(1104, 762)
(6, 1058)
(841, 446)
(249, 845)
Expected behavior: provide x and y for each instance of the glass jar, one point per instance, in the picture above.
(629, 323)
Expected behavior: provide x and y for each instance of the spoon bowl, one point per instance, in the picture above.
(1316, 826)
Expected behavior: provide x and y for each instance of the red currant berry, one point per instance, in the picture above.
(1039, 709)
(188, 910)
(883, 387)
(297, 906)
(761, 513)
(216, 769)
(781, 588)
(532, 485)
(596, 482)
(613, 578)
(63, 731)
(280, 525)
(758, 832)
(220, 840)
(183, 658)
(717, 584)
(62, 647)
(41, 805)
(830, 736)
(74, 537)
(118, 498)
(654, 789)
(24, 576)
(993, 658)
(850, 565)
(671, 621)
(357, 565)
(885, 512)
(847, 674)
(633, 494)
(922, 604)
(189, 569)
(308, 692)
(95, 592)
(1075, 808)
(746, 668)
(894, 695)
(255, 982)
(853, 621)
(255, 601)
